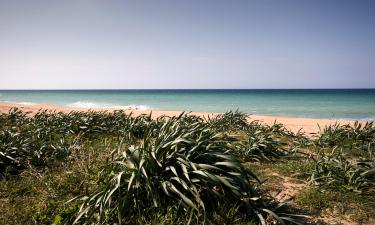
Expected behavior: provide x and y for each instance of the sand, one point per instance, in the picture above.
(308, 125)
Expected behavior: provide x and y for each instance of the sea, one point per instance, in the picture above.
(307, 103)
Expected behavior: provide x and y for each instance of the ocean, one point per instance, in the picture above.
(311, 103)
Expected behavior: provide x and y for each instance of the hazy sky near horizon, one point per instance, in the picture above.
(187, 44)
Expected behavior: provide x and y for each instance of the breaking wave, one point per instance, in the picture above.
(20, 103)
(80, 104)
(27, 103)
(93, 105)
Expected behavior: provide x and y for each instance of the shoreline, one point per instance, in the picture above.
(308, 125)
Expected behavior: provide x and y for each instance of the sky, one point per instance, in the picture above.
(115, 44)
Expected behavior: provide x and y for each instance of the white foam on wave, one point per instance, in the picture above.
(369, 119)
(20, 103)
(26, 103)
(138, 107)
(84, 104)
(93, 105)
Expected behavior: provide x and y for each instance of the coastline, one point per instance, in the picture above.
(308, 125)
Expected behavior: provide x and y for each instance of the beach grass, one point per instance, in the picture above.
(112, 167)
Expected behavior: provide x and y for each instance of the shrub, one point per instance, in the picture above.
(358, 139)
(229, 121)
(185, 164)
(335, 171)
(260, 145)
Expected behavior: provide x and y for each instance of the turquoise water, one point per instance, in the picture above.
(335, 103)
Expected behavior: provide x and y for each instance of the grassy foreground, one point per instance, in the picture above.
(113, 168)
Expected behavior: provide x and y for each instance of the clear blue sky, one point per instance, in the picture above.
(187, 44)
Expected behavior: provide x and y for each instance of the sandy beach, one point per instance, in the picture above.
(307, 125)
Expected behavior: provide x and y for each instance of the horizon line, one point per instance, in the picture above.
(176, 89)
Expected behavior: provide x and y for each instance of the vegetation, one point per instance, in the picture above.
(357, 140)
(335, 171)
(115, 168)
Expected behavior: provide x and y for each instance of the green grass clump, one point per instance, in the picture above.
(229, 121)
(49, 136)
(188, 165)
(30, 146)
(335, 171)
(261, 145)
(37, 196)
(357, 140)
